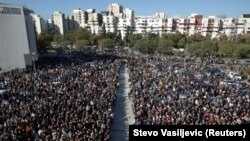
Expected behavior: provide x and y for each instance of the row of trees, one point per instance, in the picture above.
(238, 47)
(79, 38)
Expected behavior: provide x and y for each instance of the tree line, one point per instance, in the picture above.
(150, 43)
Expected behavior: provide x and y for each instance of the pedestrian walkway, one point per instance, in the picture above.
(123, 113)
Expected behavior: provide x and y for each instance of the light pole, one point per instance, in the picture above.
(33, 60)
(186, 51)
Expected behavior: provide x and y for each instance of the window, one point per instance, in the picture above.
(8, 10)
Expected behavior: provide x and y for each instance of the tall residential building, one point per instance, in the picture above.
(94, 21)
(110, 22)
(50, 24)
(170, 25)
(115, 9)
(228, 27)
(128, 13)
(17, 37)
(59, 22)
(243, 25)
(150, 24)
(40, 24)
(211, 26)
(125, 25)
(80, 18)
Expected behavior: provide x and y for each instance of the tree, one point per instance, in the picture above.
(80, 44)
(43, 41)
(226, 47)
(165, 46)
(58, 39)
(103, 34)
(181, 43)
(133, 38)
(146, 46)
(94, 39)
(83, 33)
(242, 51)
(126, 38)
(107, 43)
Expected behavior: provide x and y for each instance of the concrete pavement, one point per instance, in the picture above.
(123, 113)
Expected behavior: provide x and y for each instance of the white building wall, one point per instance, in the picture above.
(59, 21)
(191, 26)
(80, 18)
(110, 22)
(41, 25)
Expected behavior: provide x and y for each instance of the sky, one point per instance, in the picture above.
(183, 8)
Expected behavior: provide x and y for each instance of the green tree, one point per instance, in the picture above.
(107, 43)
(57, 39)
(181, 43)
(165, 46)
(43, 41)
(226, 48)
(133, 39)
(103, 32)
(80, 44)
(83, 33)
(242, 51)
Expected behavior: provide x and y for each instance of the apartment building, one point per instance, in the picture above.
(80, 18)
(243, 24)
(110, 22)
(94, 21)
(58, 19)
(120, 19)
(115, 9)
(211, 26)
(153, 24)
(41, 25)
(228, 27)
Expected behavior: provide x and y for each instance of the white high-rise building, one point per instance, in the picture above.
(125, 25)
(59, 22)
(243, 24)
(170, 25)
(110, 22)
(150, 24)
(211, 26)
(17, 37)
(115, 8)
(128, 13)
(80, 18)
(50, 24)
(40, 24)
(94, 22)
(228, 27)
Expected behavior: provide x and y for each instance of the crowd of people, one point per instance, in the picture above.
(162, 97)
(64, 101)
(71, 98)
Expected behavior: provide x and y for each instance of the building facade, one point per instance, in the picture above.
(41, 25)
(59, 22)
(115, 9)
(17, 37)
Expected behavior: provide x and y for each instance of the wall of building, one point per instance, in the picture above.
(13, 41)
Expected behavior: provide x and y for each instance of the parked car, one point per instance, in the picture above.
(235, 76)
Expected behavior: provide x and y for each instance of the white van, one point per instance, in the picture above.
(235, 76)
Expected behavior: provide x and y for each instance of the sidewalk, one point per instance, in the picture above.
(123, 113)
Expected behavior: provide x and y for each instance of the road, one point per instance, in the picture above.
(123, 112)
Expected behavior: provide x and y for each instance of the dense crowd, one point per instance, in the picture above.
(63, 101)
(162, 97)
(72, 100)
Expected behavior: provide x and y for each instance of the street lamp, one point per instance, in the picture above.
(186, 51)
(33, 60)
